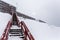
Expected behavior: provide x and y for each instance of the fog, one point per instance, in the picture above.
(46, 10)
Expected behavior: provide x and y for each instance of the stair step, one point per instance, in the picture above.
(17, 35)
(14, 33)
(15, 30)
(15, 27)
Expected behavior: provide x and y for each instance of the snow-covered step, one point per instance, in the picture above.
(14, 38)
(16, 31)
(15, 27)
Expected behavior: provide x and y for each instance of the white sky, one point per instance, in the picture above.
(47, 10)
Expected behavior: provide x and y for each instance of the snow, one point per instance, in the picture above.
(43, 31)
(40, 31)
(14, 38)
(15, 27)
(4, 18)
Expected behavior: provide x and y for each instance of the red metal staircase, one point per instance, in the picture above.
(24, 31)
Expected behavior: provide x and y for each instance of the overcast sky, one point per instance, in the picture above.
(46, 10)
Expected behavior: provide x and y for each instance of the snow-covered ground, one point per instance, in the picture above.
(40, 31)
(43, 31)
(4, 18)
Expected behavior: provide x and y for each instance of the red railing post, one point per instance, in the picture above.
(27, 34)
(26, 31)
(5, 34)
